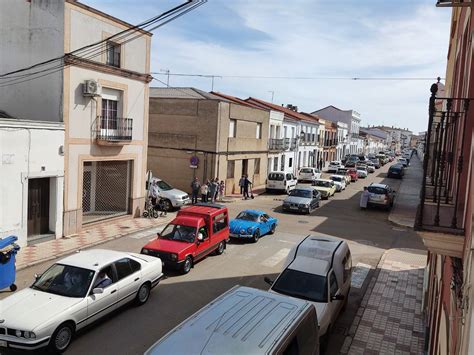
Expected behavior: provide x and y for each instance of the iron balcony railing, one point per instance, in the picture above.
(290, 143)
(276, 144)
(114, 129)
(442, 200)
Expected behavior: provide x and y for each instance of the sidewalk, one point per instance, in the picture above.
(38, 253)
(408, 195)
(390, 319)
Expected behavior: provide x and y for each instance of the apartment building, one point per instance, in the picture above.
(101, 98)
(193, 133)
(342, 140)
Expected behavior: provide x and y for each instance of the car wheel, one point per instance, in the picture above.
(61, 338)
(256, 235)
(143, 294)
(188, 264)
(13, 287)
(167, 205)
(220, 248)
(272, 230)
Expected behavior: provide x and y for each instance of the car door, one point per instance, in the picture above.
(314, 199)
(264, 221)
(100, 304)
(128, 279)
(202, 246)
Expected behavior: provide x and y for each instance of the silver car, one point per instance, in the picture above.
(302, 199)
(173, 198)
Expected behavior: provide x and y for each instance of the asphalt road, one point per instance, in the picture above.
(131, 330)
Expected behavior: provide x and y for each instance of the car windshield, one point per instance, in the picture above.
(163, 185)
(300, 193)
(377, 190)
(301, 285)
(277, 177)
(179, 233)
(248, 216)
(336, 178)
(65, 280)
(322, 183)
(306, 170)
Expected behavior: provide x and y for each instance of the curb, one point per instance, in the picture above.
(72, 251)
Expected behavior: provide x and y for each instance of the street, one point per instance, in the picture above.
(131, 330)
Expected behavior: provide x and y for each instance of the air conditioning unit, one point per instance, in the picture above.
(91, 88)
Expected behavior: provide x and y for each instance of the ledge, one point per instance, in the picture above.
(442, 243)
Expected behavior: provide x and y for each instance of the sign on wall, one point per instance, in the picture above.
(193, 162)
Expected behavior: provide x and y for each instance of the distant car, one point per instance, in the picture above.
(353, 174)
(344, 172)
(279, 181)
(302, 199)
(403, 161)
(252, 224)
(370, 167)
(339, 182)
(396, 171)
(325, 187)
(362, 158)
(362, 172)
(308, 174)
(334, 165)
(172, 198)
(380, 195)
(72, 293)
(376, 163)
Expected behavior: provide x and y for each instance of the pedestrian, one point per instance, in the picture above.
(204, 192)
(217, 189)
(221, 190)
(154, 192)
(247, 184)
(241, 184)
(364, 198)
(195, 187)
(213, 187)
(320, 164)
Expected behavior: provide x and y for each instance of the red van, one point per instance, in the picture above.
(195, 232)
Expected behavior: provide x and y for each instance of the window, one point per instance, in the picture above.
(347, 264)
(123, 268)
(282, 165)
(290, 162)
(203, 231)
(105, 278)
(109, 114)
(256, 167)
(259, 131)
(332, 285)
(113, 54)
(289, 177)
(135, 265)
(275, 164)
(232, 128)
(230, 169)
(285, 132)
(219, 222)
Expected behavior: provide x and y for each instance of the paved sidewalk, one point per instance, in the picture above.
(390, 319)
(408, 195)
(38, 253)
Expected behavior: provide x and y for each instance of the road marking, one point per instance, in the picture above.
(276, 258)
(287, 241)
(359, 274)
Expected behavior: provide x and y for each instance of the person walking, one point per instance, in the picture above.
(241, 184)
(204, 192)
(221, 190)
(364, 198)
(321, 164)
(247, 184)
(154, 192)
(213, 187)
(195, 187)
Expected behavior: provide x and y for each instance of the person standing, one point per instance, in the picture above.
(217, 189)
(154, 192)
(364, 198)
(247, 184)
(213, 190)
(195, 187)
(221, 190)
(204, 192)
(241, 184)
(321, 164)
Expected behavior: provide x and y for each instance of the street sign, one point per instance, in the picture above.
(193, 162)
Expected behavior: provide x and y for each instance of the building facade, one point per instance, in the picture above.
(102, 99)
(342, 140)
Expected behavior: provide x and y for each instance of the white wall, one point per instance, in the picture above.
(29, 150)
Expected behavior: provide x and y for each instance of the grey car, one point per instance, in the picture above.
(302, 199)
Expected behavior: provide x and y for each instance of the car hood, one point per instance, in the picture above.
(237, 224)
(321, 188)
(297, 200)
(171, 246)
(29, 309)
(173, 194)
(338, 183)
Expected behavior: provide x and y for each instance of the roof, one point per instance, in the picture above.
(310, 265)
(93, 259)
(293, 114)
(254, 211)
(182, 93)
(243, 320)
(202, 208)
(238, 100)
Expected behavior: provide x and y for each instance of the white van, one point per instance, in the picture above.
(309, 174)
(279, 181)
(245, 320)
(318, 269)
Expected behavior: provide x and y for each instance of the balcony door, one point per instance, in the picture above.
(111, 111)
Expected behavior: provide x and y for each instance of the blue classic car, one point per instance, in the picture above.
(251, 224)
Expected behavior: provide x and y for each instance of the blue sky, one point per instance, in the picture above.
(305, 38)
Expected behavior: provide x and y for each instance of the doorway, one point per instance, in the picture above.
(38, 207)
(245, 166)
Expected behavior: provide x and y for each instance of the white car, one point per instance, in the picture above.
(309, 174)
(339, 182)
(334, 166)
(279, 181)
(370, 167)
(73, 293)
(172, 198)
(362, 172)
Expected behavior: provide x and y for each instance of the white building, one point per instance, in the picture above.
(342, 140)
(31, 179)
(102, 100)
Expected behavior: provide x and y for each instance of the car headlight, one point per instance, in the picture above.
(18, 333)
(249, 230)
(29, 335)
(145, 251)
(174, 257)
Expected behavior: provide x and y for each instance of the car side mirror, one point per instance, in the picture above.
(97, 291)
(338, 297)
(37, 276)
(268, 280)
(200, 237)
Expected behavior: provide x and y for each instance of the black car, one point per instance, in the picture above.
(376, 162)
(396, 171)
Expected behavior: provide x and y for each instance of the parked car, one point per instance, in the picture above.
(252, 224)
(362, 158)
(380, 195)
(345, 172)
(353, 174)
(334, 165)
(172, 198)
(361, 172)
(318, 269)
(245, 320)
(351, 163)
(382, 158)
(308, 174)
(396, 171)
(370, 167)
(339, 182)
(283, 182)
(72, 293)
(302, 199)
(376, 162)
(196, 232)
(326, 187)
(403, 161)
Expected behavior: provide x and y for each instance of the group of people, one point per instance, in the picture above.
(245, 184)
(211, 191)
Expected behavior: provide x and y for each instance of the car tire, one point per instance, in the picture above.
(272, 230)
(220, 248)
(187, 265)
(319, 204)
(143, 294)
(61, 338)
(13, 287)
(167, 205)
(256, 236)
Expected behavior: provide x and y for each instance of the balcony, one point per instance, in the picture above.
(290, 143)
(113, 130)
(276, 145)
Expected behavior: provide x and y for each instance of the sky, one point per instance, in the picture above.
(316, 39)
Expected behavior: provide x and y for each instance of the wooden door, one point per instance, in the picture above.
(38, 206)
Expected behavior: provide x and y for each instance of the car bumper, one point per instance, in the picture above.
(173, 265)
(23, 344)
(156, 281)
(378, 203)
(296, 209)
(180, 203)
(243, 236)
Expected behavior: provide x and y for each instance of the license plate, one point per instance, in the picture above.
(3, 344)
(294, 207)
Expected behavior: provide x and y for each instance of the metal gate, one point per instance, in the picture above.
(106, 189)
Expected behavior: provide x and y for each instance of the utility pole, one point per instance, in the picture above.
(273, 93)
(167, 71)
(212, 80)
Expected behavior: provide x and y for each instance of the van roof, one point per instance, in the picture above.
(243, 320)
(202, 209)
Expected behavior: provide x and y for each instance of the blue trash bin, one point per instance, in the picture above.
(7, 262)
